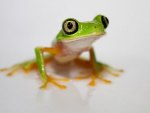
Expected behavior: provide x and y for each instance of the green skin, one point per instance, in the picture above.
(73, 39)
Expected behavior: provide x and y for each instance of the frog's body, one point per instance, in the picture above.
(73, 48)
(73, 39)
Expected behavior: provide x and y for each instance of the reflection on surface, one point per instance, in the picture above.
(65, 101)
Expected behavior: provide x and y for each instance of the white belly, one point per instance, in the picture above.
(71, 49)
(65, 58)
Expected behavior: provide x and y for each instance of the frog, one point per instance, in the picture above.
(72, 40)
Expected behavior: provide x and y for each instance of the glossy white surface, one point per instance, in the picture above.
(25, 24)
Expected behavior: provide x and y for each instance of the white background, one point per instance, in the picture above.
(25, 24)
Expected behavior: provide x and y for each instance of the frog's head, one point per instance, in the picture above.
(75, 31)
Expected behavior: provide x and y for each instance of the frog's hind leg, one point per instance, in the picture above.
(111, 70)
(98, 68)
(26, 66)
(84, 63)
(99, 74)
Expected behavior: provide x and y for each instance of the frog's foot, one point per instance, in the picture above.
(99, 75)
(53, 81)
(110, 70)
(11, 70)
(25, 67)
(94, 76)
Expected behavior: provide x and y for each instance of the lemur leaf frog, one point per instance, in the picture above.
(73, 39)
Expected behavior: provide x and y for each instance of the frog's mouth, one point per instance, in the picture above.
(81, 43)
(90, 37)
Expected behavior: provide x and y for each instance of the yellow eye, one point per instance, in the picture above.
(70, 26)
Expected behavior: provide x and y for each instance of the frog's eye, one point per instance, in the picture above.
(70, 26)
(105, 21)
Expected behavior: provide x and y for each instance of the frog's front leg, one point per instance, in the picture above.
(41, 66)
(98, 68)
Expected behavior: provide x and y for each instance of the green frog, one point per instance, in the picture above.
(72, 40)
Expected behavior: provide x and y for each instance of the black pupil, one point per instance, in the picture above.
(69, 25)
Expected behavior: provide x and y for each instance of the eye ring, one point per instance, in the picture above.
(105, 21)
(70, 26)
